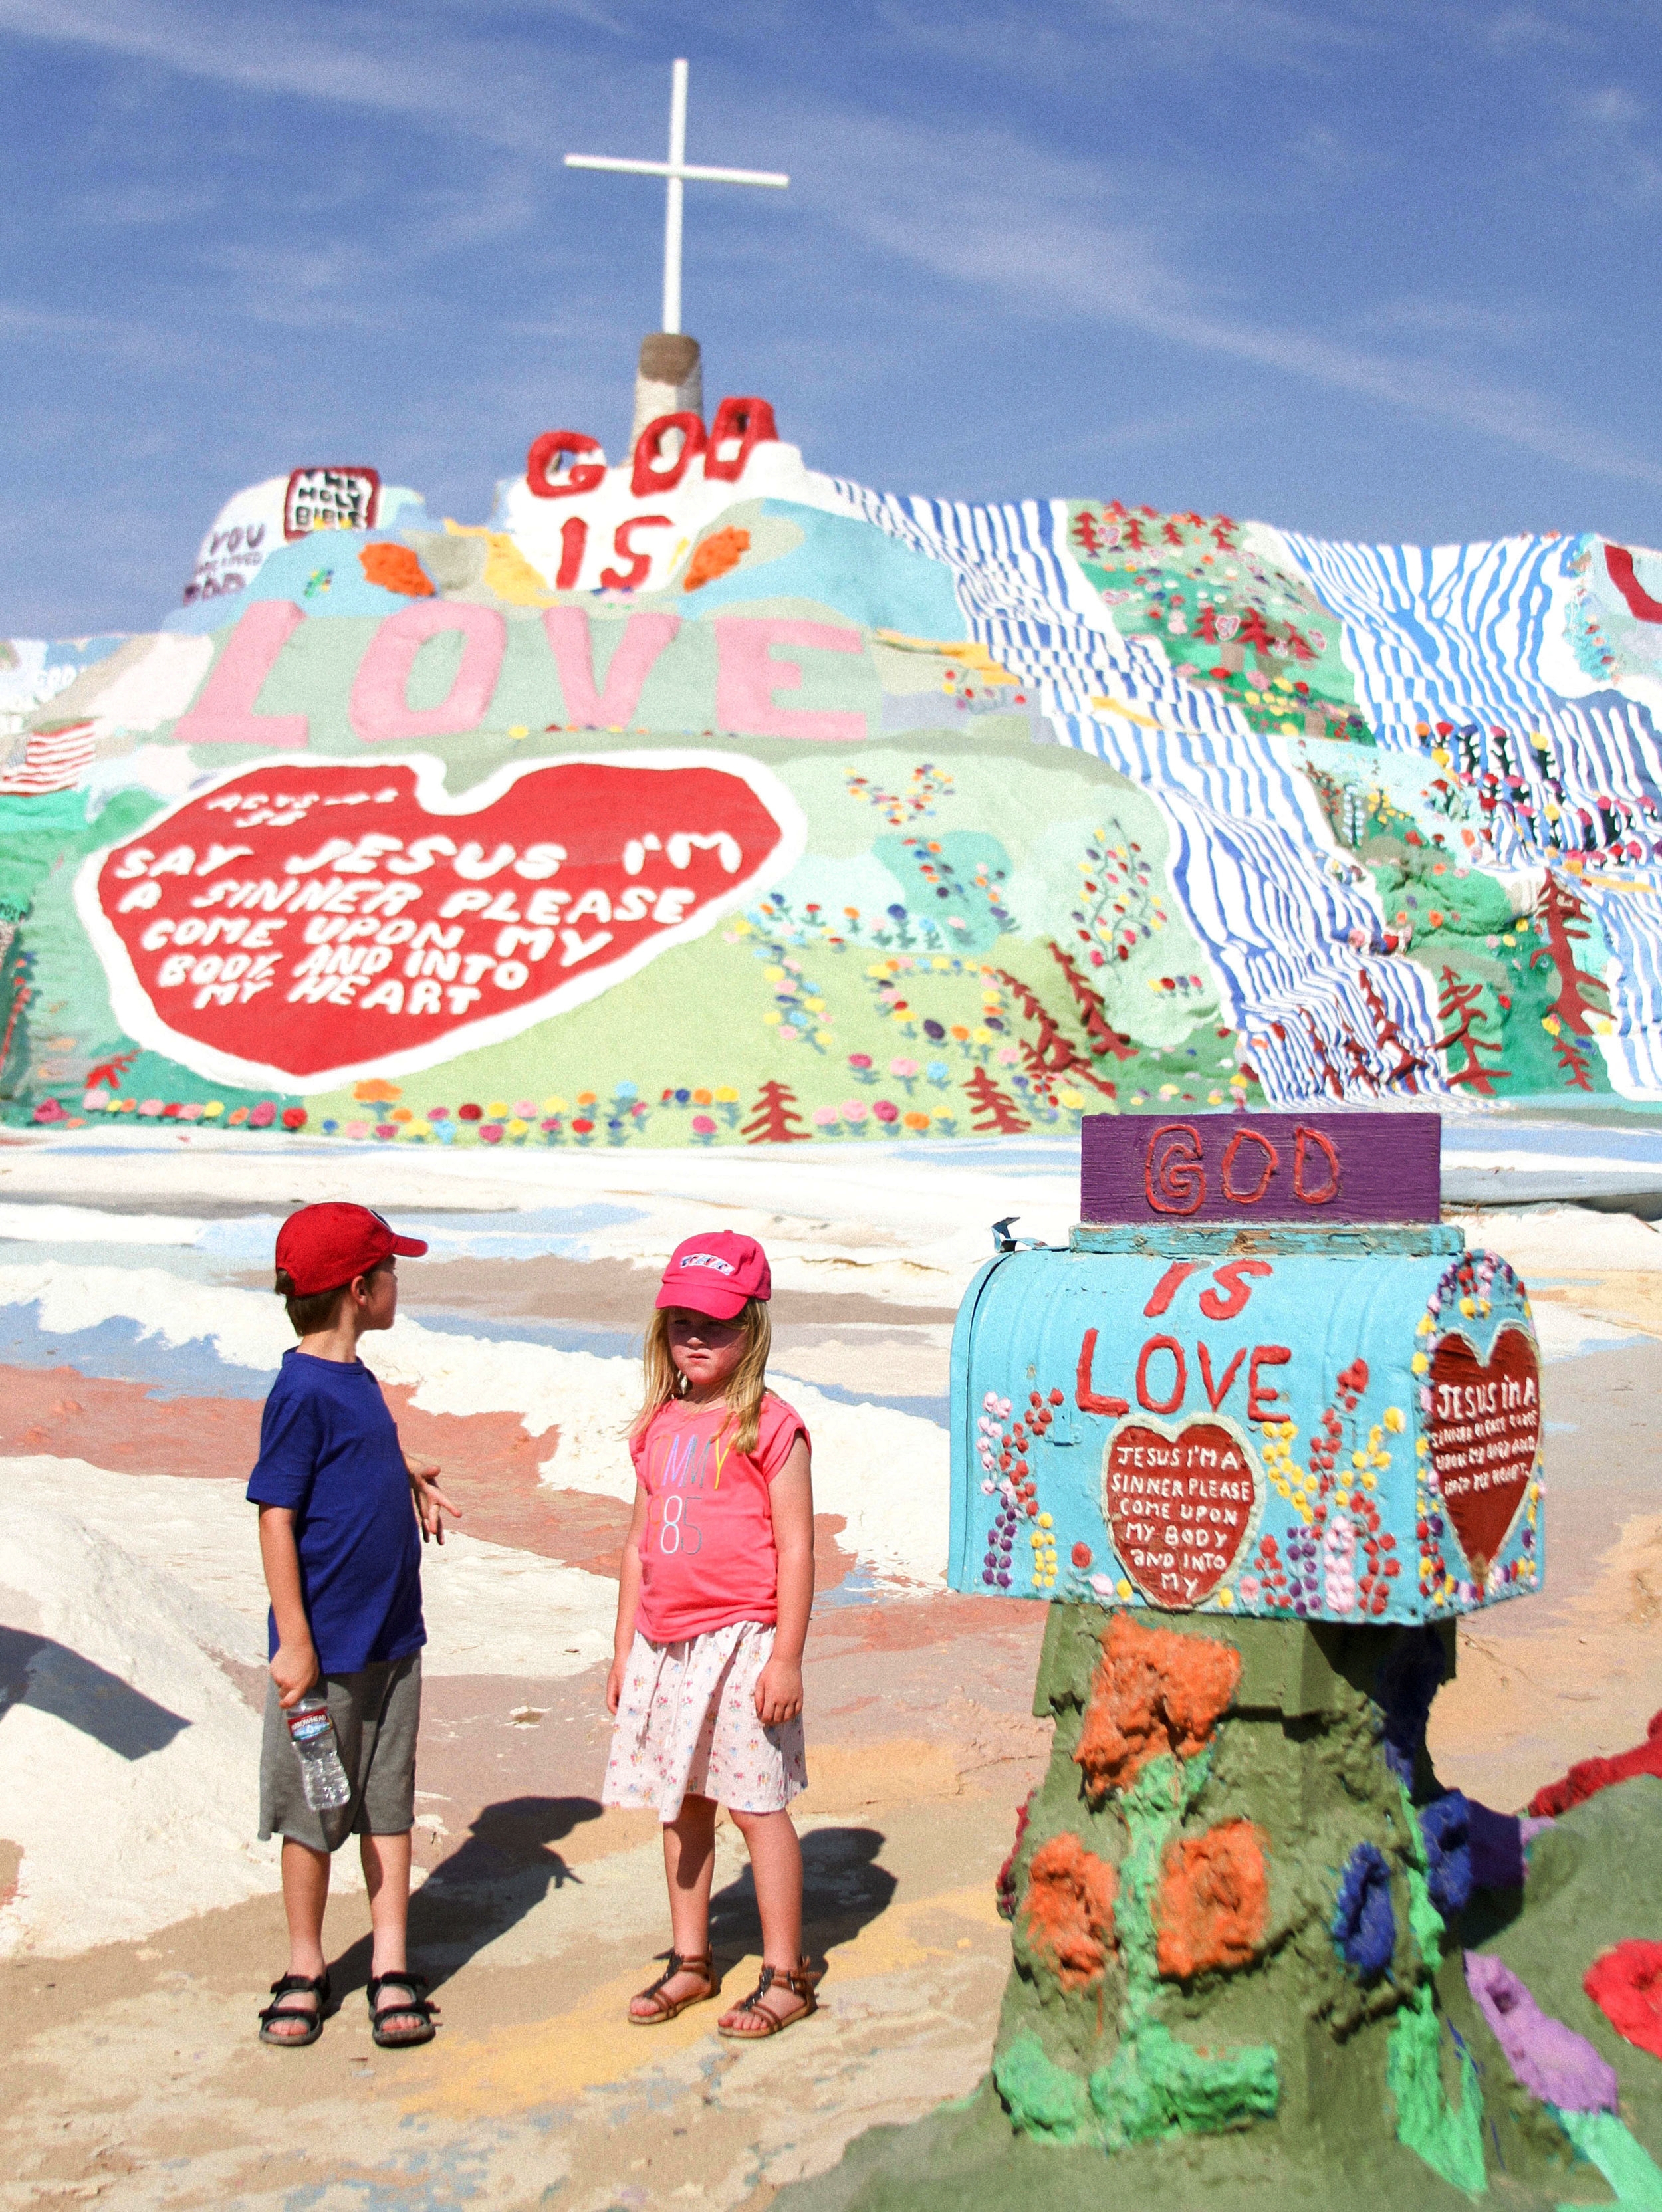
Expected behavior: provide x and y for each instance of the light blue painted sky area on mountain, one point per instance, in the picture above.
(1376, 271)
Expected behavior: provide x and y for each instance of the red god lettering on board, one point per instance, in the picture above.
(1175, 1180)
(1180, 1504)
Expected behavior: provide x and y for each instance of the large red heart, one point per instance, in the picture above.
(1485, 1436)
(1179, 1507)
(298, 924)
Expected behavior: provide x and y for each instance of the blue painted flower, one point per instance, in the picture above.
(1446, 1831)
(1364, 1924)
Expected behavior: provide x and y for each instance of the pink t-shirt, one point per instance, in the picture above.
(708, 1556)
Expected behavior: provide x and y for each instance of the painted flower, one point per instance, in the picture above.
(554, 1106)
(192, 1112)
(353, 1129)
(582, 1126)
(263, 1115)
(703, 1125)
(470, 1113)
(519, 1125)
(149, 1108)
(885, 1110)
(293, 1117)
(399, 1114)
(825, 1117)
(853, 1112)
(498, 1109)
(918, 1121)
(1080, 1555)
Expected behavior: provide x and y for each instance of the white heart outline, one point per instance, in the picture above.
(1521, 1328)
(137, 1015)
(1234, 1429)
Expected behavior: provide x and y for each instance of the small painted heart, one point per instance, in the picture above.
(1485, 1436)
(1179, 1507)
(302, 923)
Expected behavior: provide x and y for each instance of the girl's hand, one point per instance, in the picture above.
(778, 1692)
(614, 1683)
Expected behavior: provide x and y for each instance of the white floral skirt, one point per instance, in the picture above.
(686, 1727)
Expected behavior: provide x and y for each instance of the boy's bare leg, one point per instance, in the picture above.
(689, 1864)
(386, 1876)
(305, 1893)
(775, 1861)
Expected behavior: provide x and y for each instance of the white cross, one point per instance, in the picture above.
(677, 171)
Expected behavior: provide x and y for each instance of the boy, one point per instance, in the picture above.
(337, 1543)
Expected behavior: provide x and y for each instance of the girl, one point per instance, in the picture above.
(713, 1591)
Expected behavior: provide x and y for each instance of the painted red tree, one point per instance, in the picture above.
(1460, 1005)
(1562, 919)
(1324, 1059)
(1404, 1067)
(771, 1116)
(1206, 623)
(1255, 632)
(997, 1110)
(1050, 1055)
(1092, 1012)
(1089, 533)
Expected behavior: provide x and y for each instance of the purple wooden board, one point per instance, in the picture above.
(1260, 1166)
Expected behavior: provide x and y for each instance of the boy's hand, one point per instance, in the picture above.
(294, 1670)
(430, 1503)
(778, 1692)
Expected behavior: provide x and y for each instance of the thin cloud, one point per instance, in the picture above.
(1051, 233)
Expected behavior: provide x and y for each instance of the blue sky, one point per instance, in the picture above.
(1380, 271)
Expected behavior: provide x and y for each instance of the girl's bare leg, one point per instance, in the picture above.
(689, 1864)
(775, 1859)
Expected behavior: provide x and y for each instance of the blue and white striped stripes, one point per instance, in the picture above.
(1290, 937)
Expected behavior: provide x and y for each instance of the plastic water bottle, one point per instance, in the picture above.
(311, 1733)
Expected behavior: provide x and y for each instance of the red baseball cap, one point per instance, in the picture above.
(716, 1274)
(323, 1247)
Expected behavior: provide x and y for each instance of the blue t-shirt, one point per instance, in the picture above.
(329, 1449)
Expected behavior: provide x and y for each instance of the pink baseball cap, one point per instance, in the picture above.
(321, 1246)
(716, 1274)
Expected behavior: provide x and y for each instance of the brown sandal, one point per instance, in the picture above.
(801, 1982)
(666, 2009)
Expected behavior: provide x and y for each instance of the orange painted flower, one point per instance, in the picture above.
(720, 551)
(374, 1092)
(396, 568)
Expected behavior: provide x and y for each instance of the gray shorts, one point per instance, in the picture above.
(376, 1713)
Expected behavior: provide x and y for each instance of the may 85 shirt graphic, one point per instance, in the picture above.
(708, 1556)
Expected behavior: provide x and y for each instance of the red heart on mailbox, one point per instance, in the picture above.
(1179, 1506)
(301, 923)
(1485, 1436)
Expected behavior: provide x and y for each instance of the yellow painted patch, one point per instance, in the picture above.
(506, 571)
(592, 2044)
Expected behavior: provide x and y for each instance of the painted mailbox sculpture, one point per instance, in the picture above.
(1262, 1380)
(1258, 1434)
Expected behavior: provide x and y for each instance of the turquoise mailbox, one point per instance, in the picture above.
(1263, 1379)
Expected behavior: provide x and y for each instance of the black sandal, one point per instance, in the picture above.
(416, 2003)
(277, 2010)
(801, 1982)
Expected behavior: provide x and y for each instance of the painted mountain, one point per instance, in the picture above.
(709, 800)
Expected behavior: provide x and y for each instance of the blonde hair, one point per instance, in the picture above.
(746, 1387)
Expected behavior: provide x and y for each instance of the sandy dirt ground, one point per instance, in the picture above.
(138, 1918)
